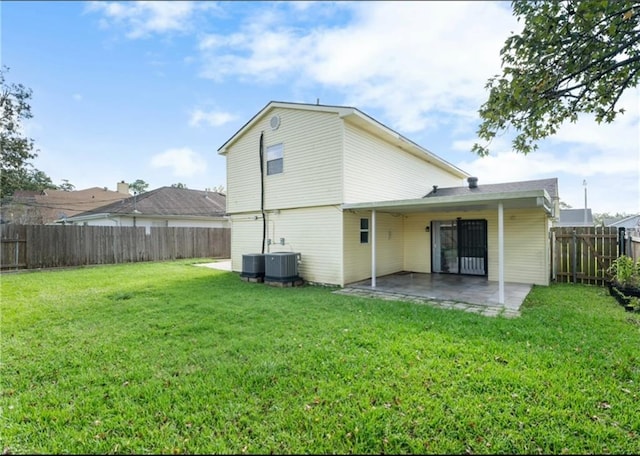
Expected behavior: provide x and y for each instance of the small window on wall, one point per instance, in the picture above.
(364, 231)
(274, 159)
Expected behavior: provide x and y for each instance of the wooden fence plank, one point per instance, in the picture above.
(46, 246)
(583, 254)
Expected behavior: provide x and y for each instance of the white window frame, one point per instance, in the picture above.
(364, 231)
(275, 161)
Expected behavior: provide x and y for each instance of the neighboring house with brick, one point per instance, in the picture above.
(358, 200)
(162, 207)
(46, 207)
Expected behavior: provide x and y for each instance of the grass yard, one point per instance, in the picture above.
(172, 358)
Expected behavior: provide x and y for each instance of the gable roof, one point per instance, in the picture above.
(52, 205)
(575, 217)
(165, 201)
(356, 117)
(549, 185)
(633, 221)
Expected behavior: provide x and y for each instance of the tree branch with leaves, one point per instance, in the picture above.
(572, 57)
(16, 173)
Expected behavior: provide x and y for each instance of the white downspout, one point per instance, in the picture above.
(373, 248)
(500, 253)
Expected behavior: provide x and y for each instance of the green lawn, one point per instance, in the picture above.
(172, 358)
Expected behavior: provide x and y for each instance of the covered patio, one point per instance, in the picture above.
(498, 234)
(470, 293)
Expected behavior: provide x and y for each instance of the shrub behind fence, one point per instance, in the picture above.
(47, 246)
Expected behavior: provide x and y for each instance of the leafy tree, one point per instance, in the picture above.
(600, 218)
(36, 180)
(219, 189)
(66, 185)
(16, 150)
(572, 56)
(138, 186)
(179, 185)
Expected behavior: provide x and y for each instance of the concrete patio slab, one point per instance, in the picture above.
(469, 293)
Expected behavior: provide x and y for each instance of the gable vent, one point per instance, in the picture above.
(274, 122)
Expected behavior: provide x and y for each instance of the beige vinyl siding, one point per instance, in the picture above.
(315, 233)
(243, 174)
(246, 237)
(389, 245)
(312, 159)
(312, 162)
(417, 248)
(526, 244)
(375, 170)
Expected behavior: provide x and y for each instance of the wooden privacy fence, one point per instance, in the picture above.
(583, 254)
(629, 242)
(47, 246)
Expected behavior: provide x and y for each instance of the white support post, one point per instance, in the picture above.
(373, 248)
(500, 253)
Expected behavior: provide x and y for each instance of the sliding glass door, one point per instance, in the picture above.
(459, 246)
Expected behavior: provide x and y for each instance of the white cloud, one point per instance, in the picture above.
(212, 118)
(411, 59)
(144, 18)
(607, 156)
(584, 148)
(183, 161)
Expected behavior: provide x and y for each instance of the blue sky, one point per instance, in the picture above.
(151, 90)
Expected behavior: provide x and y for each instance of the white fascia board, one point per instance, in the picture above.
(77, 218)
(184, 217)
(540, 197)
(142, 215)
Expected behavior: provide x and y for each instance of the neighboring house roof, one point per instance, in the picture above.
(607, 221)
(356, 117)
(633, 221)
(163, 202)
(575, 217)
(48, 206)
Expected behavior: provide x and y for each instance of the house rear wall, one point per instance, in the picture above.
(375, 170)
(315, 233)
(312, 163)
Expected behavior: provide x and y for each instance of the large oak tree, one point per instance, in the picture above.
(572, 57)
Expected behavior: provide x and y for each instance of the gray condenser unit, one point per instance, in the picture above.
(252, 265)
(281, 266)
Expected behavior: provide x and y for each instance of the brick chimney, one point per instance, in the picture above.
(123, 187)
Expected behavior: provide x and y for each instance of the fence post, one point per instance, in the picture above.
(17, 252)
(552, 269)
(622, 248)
(574, 256)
